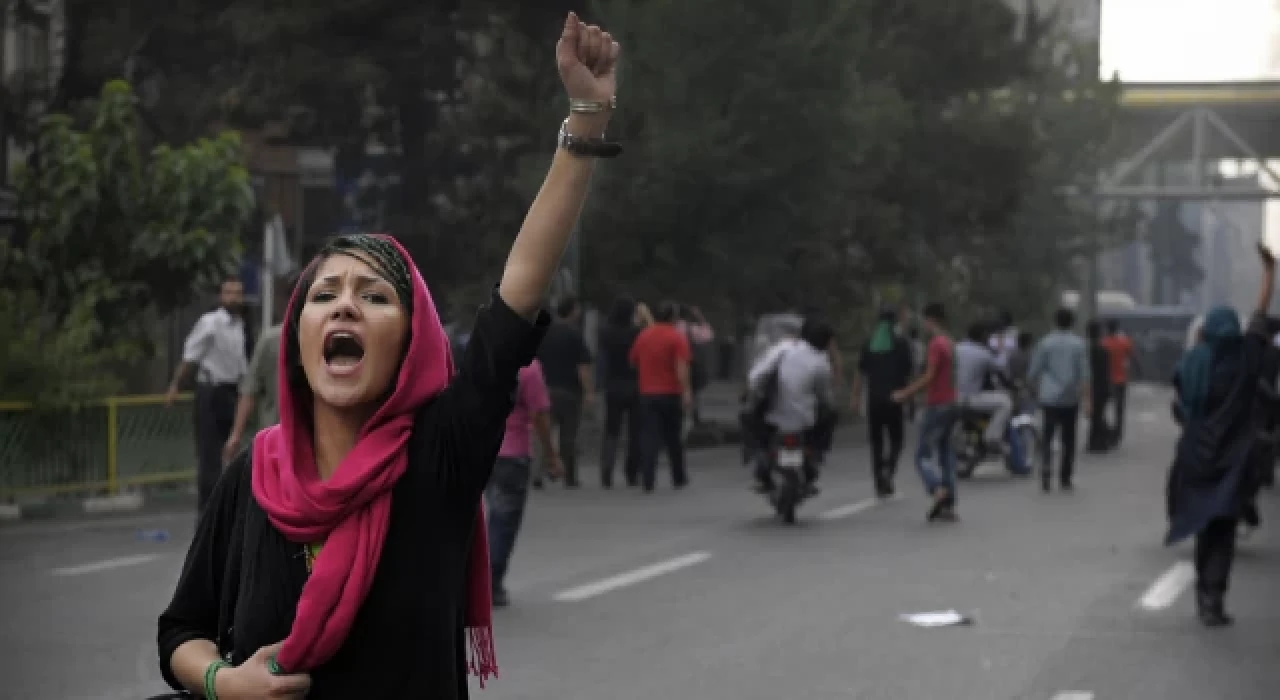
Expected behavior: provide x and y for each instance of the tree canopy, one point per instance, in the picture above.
(808, 153)
(111, 236)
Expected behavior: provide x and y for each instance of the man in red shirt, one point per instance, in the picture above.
(661, 356)
(1119, 354)
(939, 417)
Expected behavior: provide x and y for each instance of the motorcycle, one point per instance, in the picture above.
(790, 462)
(1022, 436)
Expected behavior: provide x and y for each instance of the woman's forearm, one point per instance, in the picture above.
(189, 662)
(1268, 287)
(538, 247)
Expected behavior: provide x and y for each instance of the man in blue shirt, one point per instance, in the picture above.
(1059, 376)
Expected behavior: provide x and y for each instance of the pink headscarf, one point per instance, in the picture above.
(351, 510)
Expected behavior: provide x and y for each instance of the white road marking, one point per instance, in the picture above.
(1166, 589)
(1073, 695)
(105, 565)
(849, 509)
(630, 578)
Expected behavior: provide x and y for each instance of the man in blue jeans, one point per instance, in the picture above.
(508, 488)
(939, 417)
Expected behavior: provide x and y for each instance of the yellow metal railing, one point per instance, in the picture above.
(104, 447)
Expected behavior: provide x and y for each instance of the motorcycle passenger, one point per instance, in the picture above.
(1004, 341)
(1018, 367)
(976, 367)
(802, 398)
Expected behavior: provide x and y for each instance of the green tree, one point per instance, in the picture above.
(113, 236)
(751, 138)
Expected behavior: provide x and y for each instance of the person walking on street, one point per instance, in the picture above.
(566, 363)
(1099, 438)
(1213, 480)
(1120, 354)
(884, 366)
(701, 336)
(258, 390)
(661, 356)
(1059, 375)
(217, 348)
(939, 416)
(508, 489)
(621, 396)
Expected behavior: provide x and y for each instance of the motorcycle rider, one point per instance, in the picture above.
(976, 368)
(803, 398)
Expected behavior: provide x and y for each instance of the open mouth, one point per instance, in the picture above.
(343, 349)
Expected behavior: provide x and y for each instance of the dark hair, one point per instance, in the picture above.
(666, 312)
(1113, 326)
(1064, 319)
(817, 333)
(385, 259)
(1025, 339)
(1006, 318)
(977, 331)
(1093, 329)
(935, 311)
(567, 307)
(230, 277)
(888, 314)
(622, 313)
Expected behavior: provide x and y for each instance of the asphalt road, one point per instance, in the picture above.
(700, 594)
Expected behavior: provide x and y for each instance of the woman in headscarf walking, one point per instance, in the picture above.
(1212, 480)
(885, 365)
(345, 556)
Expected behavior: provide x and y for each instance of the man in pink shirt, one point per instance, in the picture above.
(508, 488)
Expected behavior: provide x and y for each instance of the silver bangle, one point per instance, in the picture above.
(577, 106)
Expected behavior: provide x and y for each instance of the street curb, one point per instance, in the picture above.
(10, 512)
(120, 503)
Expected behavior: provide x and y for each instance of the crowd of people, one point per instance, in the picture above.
(1226, 403)
(359, 507)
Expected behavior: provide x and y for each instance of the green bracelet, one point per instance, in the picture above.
(210, 672)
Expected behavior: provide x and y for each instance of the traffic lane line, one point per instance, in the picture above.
(106, 565)
(1166, 589)
(851, 509)
(1074, 695)
(631, 578)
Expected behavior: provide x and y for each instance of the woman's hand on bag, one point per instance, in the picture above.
(253, 680)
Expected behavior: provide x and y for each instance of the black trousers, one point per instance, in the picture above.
(1119, 398)
(566, 416)
(1062, 421)
(1215, 553)
(663, 417)
(1098, 438)
(621, 412)
(885, 420)
(215, 413)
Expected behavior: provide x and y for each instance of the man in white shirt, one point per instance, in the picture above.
(976, 366)
(804, 388)
(218, 349)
